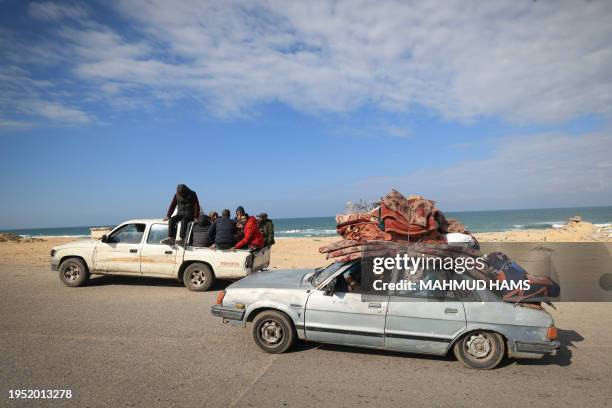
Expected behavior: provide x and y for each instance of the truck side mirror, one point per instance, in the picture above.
(331, 287)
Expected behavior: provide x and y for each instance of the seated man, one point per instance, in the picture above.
(200, 237)
(223, 231)
(267, 229)
(252, 236)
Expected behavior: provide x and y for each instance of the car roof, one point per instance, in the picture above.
(145, 221)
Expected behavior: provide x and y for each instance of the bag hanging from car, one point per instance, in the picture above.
(540, 287)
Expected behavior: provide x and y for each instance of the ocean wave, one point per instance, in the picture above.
(539, 225)
(54, 236)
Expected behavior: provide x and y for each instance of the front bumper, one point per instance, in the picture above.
(550, 348)
(228, 313)
(54, 264)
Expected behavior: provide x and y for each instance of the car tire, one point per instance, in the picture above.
(73, 272)
(482, 350)
(198, 277)
(273, 332)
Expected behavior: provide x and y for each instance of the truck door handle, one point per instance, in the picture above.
(133, 251)
(168, 252)
(374, 305)
(450, 310)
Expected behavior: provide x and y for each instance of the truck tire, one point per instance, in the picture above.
(482, 350)
(273, 332)
(73, 272)
(198, 277)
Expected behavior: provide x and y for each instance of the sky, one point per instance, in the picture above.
(295, 108)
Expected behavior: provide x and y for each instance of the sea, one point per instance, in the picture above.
(476, 221)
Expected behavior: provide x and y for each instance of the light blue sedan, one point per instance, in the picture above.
(320, 306)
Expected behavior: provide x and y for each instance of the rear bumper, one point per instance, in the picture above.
(227, 313)
(550, 348)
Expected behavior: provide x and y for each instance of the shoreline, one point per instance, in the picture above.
(303, 252)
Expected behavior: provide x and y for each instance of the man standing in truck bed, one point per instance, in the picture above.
(185, 201)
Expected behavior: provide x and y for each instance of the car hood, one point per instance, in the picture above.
(84, 243)
(280, 279)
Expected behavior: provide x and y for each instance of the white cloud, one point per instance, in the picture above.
(529, 62)
(52, 11)
(8, 124)
(535, 171)
(22, 96)
(54, 111)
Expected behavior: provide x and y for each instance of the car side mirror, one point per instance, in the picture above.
(330, 289)
(104, 238)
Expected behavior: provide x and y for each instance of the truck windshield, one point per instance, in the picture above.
(321, 274)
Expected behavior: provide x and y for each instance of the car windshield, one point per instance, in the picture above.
(323, 273)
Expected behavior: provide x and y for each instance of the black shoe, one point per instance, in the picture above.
(167, 241)
(180, 242)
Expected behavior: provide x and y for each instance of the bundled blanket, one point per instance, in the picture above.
(397, 219)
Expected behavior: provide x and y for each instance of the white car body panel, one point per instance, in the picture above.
(158, 260)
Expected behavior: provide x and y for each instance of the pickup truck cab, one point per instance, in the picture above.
(134, 248)
(318, 306)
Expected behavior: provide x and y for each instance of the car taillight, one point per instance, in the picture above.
(551, 333)
(220, 297)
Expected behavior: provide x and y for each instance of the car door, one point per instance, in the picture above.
(342, 317)
(424, 321)
(157, 259)
(121, 251)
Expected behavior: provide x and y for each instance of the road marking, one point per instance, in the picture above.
(257, 377)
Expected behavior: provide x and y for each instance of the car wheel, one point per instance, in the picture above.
(273, 332)
(198, 277)
(73, 272)
(481, 350)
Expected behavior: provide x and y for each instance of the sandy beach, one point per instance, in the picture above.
(304, 252)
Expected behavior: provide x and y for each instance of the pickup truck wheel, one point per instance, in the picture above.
(273, 332)
(73, 272)
(198, 277)
(480, 350)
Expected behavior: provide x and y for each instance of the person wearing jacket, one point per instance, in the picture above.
(222, 232)
(267, 229)
(199, 232)
(185, 201)
(252, 236)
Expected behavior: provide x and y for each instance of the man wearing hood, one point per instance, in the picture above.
(185, 201)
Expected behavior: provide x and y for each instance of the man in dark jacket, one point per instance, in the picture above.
(185, 201)
(199, 232)
(223, 231)
(267, 229)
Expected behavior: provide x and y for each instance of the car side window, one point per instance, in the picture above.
(350, 280)
(429, 288)
(128, 234)
(157, 233)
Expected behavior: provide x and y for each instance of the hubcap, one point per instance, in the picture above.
(72, 272)
(479, 346)
(271, 332)
(197, 278)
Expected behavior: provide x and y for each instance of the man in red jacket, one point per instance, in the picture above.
(252, 236)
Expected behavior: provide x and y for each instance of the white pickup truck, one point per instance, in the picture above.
(134, 248)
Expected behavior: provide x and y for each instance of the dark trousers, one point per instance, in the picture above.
(184, 219)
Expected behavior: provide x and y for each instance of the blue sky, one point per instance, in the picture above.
(295, 108)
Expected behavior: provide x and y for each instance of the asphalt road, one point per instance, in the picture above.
(152, 343)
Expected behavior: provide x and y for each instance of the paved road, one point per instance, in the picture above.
(152, 343)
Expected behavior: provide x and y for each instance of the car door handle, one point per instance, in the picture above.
(133, 251)
(450, 310)
(168, 252)
(374, 305)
